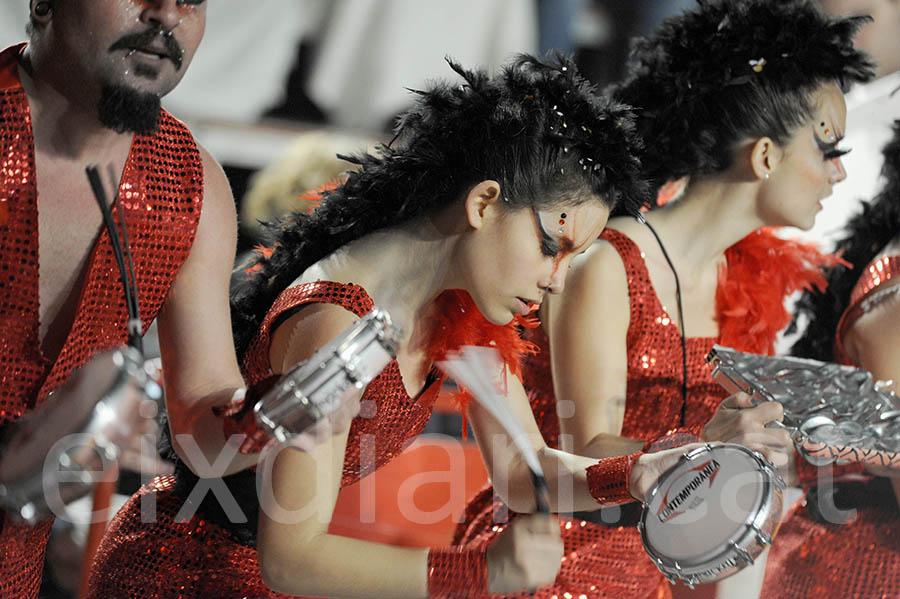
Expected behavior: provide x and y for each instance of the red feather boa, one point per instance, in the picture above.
(458, 322)
(762, 270)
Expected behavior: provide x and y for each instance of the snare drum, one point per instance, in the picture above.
(57, 452)
(712, 513)
(319, 386)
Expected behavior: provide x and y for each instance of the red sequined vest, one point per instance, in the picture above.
(161, 194)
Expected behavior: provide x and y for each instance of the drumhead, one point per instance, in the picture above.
(705, 504)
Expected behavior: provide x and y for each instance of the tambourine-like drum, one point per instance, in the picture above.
(834, 412)
(57, 452)
(317, 387)
(712, 513)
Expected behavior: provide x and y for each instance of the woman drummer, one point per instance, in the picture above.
(490, 190)
(857, 322)
(742, 99)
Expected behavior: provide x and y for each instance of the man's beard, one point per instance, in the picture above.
(124, 109)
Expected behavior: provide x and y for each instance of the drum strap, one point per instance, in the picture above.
(627, 514)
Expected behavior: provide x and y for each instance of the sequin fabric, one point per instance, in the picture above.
(608, 479)
(165, 559)
(802, 562)
(881, 273)
(445, 566)
(600, 561)
(161, 193)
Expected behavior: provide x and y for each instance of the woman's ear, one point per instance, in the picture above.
(765, 156)
(482, 202)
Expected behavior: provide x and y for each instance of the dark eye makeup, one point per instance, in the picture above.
(830, 150)
(549, 246)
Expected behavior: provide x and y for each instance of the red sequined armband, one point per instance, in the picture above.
(608, 479)
(457, 572)
(674, 438)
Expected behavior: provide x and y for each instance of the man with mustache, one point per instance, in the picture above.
(86, 90)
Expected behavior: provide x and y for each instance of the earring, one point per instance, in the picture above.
(766, 176)
(42, 8)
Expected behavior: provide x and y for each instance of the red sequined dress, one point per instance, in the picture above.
(860, 559)
(203, 555)
(607, 561)
(161, 193)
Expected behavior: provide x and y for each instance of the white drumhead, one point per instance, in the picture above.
(702, 504)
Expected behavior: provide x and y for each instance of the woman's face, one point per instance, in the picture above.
(809, 166)
(520, 255)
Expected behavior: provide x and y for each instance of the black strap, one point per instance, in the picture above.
(684, 368)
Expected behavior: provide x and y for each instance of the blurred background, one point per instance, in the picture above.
(287, 84)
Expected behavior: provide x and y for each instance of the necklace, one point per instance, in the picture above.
(684, 372)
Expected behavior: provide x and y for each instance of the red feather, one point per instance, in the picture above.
(762, 270)
(458, 322)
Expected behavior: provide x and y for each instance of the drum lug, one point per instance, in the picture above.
(772, 472)
(690, 582)
(679, 572)
(742, 553)
(762, 538)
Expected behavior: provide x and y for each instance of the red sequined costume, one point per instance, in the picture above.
(602, 561)
(606, 561)
(860, 559)
(161, 193)
(200, 558)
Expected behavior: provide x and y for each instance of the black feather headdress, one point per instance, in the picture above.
(537, 127)
(730, 69)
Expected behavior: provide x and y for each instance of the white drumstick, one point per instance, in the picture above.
(474, 368)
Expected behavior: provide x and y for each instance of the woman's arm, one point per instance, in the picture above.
(875, 341)
(588, 328)
(570, 477)
(297, 556)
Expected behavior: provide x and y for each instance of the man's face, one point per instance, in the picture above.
(141, 45)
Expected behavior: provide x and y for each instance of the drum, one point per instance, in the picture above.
(712, 513)
(318, 387)
(57, 452)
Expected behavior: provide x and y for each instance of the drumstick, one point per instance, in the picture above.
(473, 368)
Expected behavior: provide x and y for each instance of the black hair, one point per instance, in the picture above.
(730, 70)
(538, 128)
(867, 234)
(124, 109)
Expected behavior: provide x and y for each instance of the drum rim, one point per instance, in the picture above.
(375, 329)
(765, 519)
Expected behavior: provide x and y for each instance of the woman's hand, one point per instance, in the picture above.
(650, 466)
(737, 420)
(526, 555)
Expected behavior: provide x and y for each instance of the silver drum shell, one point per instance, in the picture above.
(744, 539)
(318, 386)
(41, 473)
